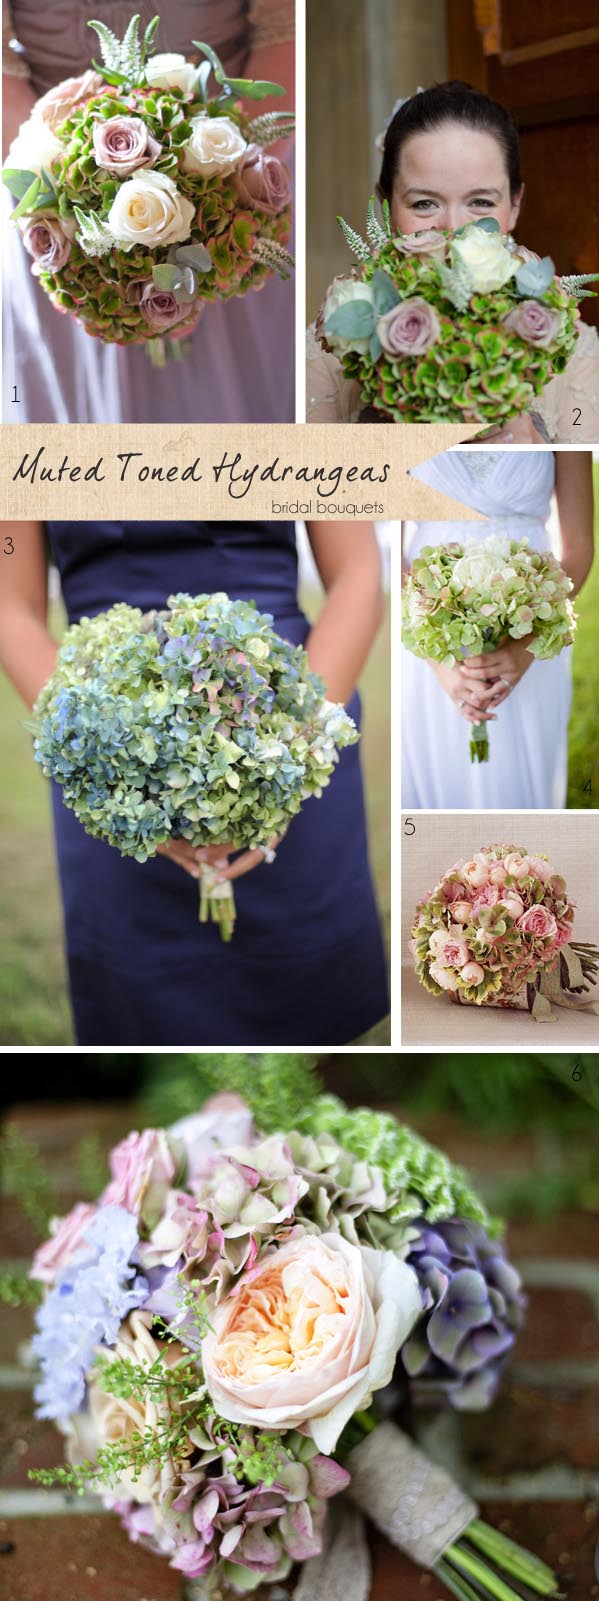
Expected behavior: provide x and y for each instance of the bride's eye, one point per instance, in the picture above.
(423, 205)
(483, 201)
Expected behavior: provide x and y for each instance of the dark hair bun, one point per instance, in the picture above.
(449, 102)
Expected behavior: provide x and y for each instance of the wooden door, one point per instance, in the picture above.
(540, 58)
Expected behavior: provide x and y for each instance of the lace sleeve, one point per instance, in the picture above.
(13, 59)
(271, 22)
(569, 406)
(330, 396)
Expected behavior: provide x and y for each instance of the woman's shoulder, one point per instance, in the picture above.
(569, 406)
(330, 396)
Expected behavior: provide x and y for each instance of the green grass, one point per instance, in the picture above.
(34, 1007)
(583, 744)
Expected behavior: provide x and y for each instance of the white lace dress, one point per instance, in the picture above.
(527, 766)
(568, 406)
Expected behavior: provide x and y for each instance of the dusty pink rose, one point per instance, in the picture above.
(535, 323)
(513, 905)
(46, 241)
(564, 933)
(538, 922)
(66, 1236)
(473, 973)
(58, 103)
(488, 895)
(160, 308)
(446, 977)
(476, 872)
(409, 329)
(122, 144)
(142, 1168)
(453, 890)
(429, 242)
(263, 181)
(449, 950)
(538, 868)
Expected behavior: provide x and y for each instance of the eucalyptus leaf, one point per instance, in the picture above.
(18, 180)
(195, 256)
(28, 202)
(534, 277)
(488, 224)
(167, 277)
(376, 348)
(385, 295)
(255, 89)
(356, 320)
(201, 83)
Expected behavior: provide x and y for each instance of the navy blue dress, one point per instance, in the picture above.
(306, 965)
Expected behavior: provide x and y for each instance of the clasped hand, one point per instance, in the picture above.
(192, 857)
(480, 683)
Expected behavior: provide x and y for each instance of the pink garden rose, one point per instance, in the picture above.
(409, 329)
(428, 242)
(535, 323)
(487, 895)
(445, 977)
(449, 950)
(66, 1236)
(122, 144)
(58, 103)
(473, 973)
(538, 922)
(308, 1335)
(564, 933)
(143, 1167)
(263, 181)
(513, 905)
(476, 871)
(538, 868)
(47, 242)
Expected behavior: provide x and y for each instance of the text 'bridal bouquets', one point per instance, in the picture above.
(141, 195)
(463, 327)
(466, 600)
(497, 931)
(197, 722)
(223, 1336)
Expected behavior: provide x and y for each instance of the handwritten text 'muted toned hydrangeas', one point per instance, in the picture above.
(141, 197)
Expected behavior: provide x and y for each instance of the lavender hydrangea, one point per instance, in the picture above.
(85, 1308)
(473, 1305)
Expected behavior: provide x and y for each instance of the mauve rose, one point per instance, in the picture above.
(429, 242)
(122, 144)
(535, 323)
(48, 244)
(66, 1236)
(58, 103)
(160, 308)
(538, 922)
(263, 181)
(409, 329)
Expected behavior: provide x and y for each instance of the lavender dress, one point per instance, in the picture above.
(241, 365)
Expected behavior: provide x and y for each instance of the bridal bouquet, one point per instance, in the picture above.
(497, 931)
(468, 599)
(197, 722)
(141, 195)
(216, 1329)
(439, 327)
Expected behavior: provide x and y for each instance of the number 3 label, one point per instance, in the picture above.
(9, 548)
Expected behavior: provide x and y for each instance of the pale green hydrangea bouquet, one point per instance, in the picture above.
(465, 600)
(197, 722)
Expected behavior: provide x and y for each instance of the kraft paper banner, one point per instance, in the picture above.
(222, 472)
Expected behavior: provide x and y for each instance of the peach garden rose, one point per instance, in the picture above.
(309, 1335)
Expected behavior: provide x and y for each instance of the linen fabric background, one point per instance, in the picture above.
(572, 844)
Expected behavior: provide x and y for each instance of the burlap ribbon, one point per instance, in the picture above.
(551, 991)
(412, 1500)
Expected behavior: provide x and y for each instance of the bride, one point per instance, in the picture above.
(451, 156)
(527, 701)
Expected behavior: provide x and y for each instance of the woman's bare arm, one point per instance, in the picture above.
(574, 496)
(27, 649)
(349, 564)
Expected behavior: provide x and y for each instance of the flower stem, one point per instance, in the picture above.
(513, 1558)
(217, 901)
(479, 743)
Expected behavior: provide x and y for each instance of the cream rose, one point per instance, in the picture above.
(342, 292)
(445, 977)
(116, 1420)
(171, 71)
(309, 1335)
(476, 871)
(34, 147)
(476, 568)
(216, 145)
(485, 257)
(148, 210)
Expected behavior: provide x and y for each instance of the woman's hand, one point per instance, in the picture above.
(192, 857)
(516, 431)
(496, 674)
(470, 699)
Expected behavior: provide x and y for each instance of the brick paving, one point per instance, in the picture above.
(534, 1457)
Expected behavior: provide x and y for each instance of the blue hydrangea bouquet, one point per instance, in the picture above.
(223, 1337)
(197, 722)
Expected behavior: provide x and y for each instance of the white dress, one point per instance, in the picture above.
(527, 764)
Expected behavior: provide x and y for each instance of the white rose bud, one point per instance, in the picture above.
(216, 146)
(171, 72)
